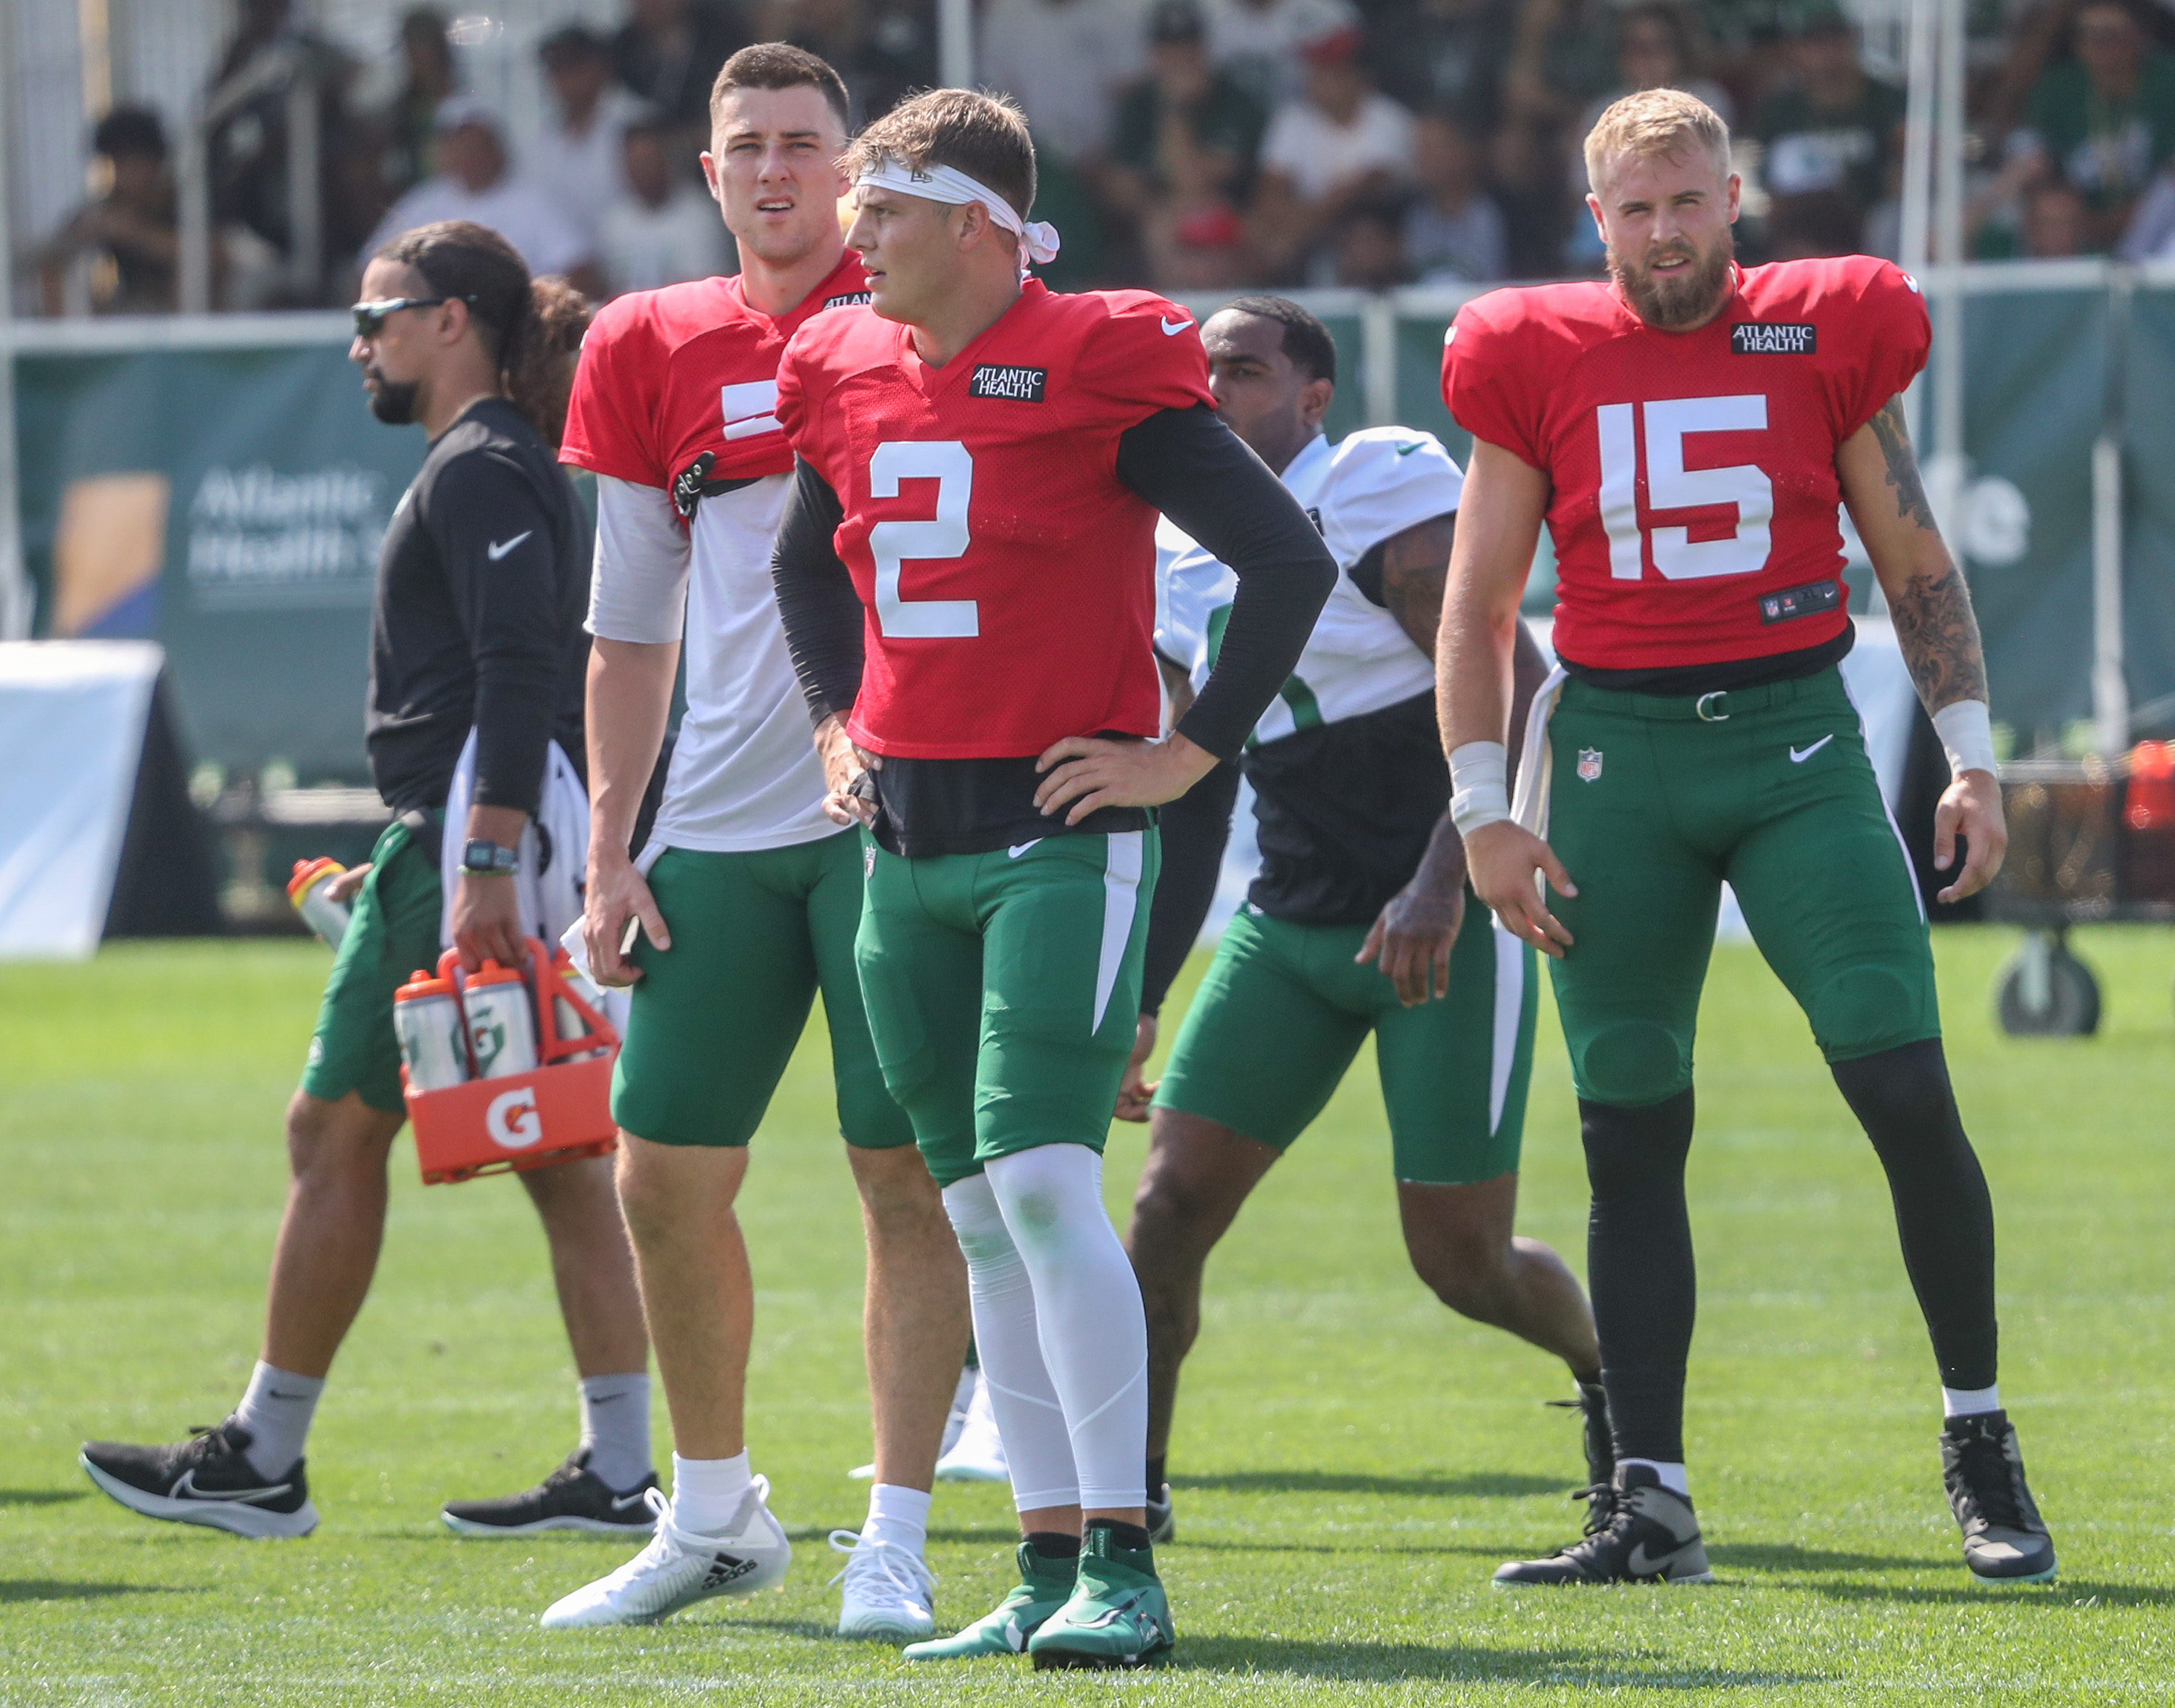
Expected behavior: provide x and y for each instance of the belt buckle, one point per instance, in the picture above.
(1700, 707)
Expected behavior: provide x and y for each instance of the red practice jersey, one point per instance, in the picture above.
(1693, 512)
(1009, 575)
(668, 375)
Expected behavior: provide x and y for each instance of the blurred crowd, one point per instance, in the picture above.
(1185, 145)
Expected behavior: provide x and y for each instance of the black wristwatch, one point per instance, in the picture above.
(482, 859)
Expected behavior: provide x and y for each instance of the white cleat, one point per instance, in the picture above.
(977, 1456)
(680, 1568)
(890, 1592)
(953, 1424)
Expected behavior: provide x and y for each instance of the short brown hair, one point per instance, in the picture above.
(983, 135)
(781, 65)
(1655, 122)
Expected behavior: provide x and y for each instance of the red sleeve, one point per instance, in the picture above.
(1891, 334)
(799, 386)
(1142, 355)
(1482, 384)
(611, 415)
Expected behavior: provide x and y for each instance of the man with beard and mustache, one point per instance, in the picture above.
(476, 664)
(1687, 430)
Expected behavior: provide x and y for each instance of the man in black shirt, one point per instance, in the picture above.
(1360, 920)
(475, 643)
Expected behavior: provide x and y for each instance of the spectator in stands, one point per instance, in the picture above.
(1344, 140)
(660, 230)
(476, 182)
(881, 48)
(1454, 232)
(577, 158)
(668, 53)
(1819, 222)
(117, 253)
(1262, 43)
(2056, 223)
(1444, 54)
(1065, 61)
(2104, 121)
(1370, 245)
(1182, 154)
(409, 120)
(1829, 131)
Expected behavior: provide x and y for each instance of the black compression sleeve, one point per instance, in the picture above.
(494, 538)
(1194, 829)
(815, 597)
(1200, 474)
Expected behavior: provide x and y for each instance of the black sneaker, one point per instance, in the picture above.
(2005, 1541)
(1636, 1531)
(1162, 1522)
(571, 1498)
(206, 1479)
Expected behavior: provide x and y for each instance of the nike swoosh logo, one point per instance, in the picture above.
(1408, 450)
(1111, 1615)
(1799, 758)
(1172, 328)
(498, 548)
(621, 1502)
(1020, 848)
(185, 1489)
(1640, 1563)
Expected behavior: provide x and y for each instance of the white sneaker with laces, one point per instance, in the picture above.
(680, 1568)
(890, 1592)
(979, 1455)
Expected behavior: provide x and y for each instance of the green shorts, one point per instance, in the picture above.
(1004, 989)
(392, 932)
(1652, 807)
(1283, 1009)
(716, 1017)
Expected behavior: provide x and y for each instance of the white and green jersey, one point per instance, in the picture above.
(1361, 491)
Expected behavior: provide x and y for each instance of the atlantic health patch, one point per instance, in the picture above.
(1023, 385)
(1773, 338)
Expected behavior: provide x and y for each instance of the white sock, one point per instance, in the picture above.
(615, 1429)
(898, 1515)
(1671, 1473)
(706, 1492)
(1030, 1422)
(1963, 1402)
(276, 1409)
(1093, 1331)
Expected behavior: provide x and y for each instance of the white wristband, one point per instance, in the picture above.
(1478, 794)
(1967, 736)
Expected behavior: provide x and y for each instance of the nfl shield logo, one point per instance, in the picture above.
(1589, 764)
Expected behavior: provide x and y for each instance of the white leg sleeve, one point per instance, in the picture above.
(1087, 1306)
(1030, 1422)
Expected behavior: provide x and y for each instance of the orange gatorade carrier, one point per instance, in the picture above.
(494, 1120)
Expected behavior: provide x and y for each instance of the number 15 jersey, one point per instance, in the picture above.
(1693, 512)
(1007, 573)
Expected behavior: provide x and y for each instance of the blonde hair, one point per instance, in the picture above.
(1654, 123)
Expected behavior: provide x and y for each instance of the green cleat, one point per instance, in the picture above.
(1005, 1630)
(1118, 1616)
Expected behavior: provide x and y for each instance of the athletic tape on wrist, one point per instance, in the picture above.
(1480, 793)
(1966, 733)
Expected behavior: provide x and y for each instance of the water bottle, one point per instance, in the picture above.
(567, 1023)
(427, 1021)
(320, 912)
(501, 1021)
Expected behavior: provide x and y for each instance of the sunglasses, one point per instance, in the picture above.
(370, 318)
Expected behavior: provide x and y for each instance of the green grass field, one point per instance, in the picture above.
(1351, 1463)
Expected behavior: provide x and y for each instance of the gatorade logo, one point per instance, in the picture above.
(512, 1119)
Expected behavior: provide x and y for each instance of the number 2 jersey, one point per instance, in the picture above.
(676, 397)
(1695, 504)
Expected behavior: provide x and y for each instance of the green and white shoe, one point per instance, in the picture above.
(1043, 1587)
(1118, 1615)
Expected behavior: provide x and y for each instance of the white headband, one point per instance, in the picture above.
(954, 189)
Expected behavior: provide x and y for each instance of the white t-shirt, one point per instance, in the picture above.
(1366, 489)
(538, 228)
(1319, 155)
(1065, 61)
(744, 774)
(585, 174)
(642, 247)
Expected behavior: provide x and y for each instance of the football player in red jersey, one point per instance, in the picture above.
(1687, 432)
(749, 896)
(966, 573)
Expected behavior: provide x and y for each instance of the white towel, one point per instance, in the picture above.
(550, 893)
(1529, 803)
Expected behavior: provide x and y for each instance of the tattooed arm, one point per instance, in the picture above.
(1932, 610)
